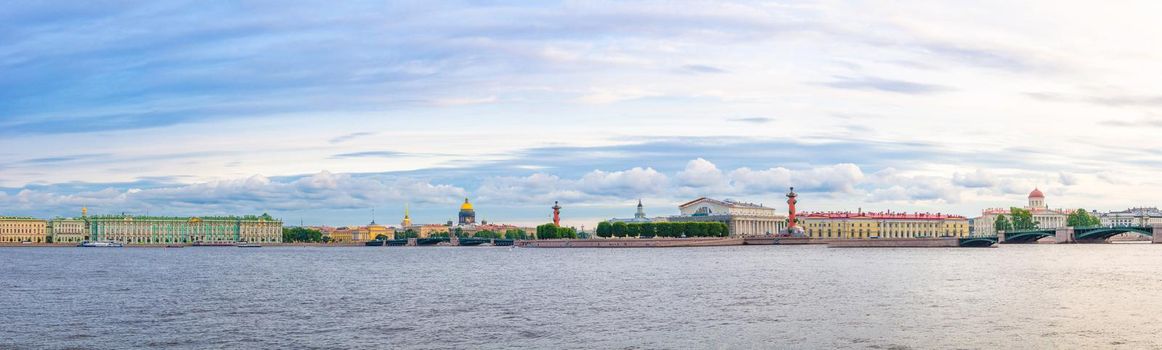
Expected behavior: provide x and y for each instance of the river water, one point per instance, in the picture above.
(1015, 296)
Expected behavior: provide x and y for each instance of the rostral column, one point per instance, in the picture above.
(791, 209)
(556, 213)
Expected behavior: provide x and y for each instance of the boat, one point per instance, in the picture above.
(248, 245)
(110, 244)
(175, 246)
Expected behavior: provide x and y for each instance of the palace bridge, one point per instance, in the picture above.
(1095, 234)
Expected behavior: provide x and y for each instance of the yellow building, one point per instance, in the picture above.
(68, 230)
(848, 225)
(22, 229)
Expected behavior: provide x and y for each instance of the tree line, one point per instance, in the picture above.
(662, 229)
(302, 234)
(551, 231)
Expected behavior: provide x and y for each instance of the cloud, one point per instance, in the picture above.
(754, 120)
(702, 69)
(369, 154)
(888, 85)
(977, 179)
(349, 137)
(700, 173)
(633, 182)
(839, 178)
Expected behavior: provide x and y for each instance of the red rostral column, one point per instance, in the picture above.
(556, 213)
(791, 208)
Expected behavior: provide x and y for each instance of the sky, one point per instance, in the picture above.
(337, 113)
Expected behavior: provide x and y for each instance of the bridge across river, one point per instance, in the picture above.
(1094, 234)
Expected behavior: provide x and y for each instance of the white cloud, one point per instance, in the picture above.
(700, 173)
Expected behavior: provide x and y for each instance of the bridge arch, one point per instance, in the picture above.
(1028, 236)
(1103, 233)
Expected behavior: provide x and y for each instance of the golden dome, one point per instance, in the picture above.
(466, 205)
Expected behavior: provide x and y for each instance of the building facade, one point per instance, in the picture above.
(639, 216)
(179, 230)
(1131, 217)
(1047, 218)
(15, 229)
(742, 219)
(861, 225)
(68, 230)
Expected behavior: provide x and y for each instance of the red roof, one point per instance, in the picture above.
(880, 216)
(1036, 194)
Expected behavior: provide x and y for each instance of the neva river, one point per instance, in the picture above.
(1015, 296)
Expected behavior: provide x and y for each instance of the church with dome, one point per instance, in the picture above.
(467, 214)
(1048, 218)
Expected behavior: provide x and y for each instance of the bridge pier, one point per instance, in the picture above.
(1156, 237)
(454, 239)
(1000, 237)
(1065, 235)
(412, 242)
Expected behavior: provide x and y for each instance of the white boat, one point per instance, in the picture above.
(110, 244)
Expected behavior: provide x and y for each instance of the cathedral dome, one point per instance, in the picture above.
(466, 205)
(1036, 194)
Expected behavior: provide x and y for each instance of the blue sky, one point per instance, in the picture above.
(320, 111)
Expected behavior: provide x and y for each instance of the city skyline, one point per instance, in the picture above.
(321, 113)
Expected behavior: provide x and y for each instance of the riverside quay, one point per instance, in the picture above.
(177, 230)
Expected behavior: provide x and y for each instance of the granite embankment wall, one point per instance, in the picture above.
(896, 243)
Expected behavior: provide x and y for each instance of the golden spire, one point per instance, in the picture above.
(407, 219)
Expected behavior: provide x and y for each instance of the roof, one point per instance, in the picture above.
(466, 205)
(879, 216)
(725, 203)
(1036, 194)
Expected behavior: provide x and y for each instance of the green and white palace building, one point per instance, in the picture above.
(180, 230)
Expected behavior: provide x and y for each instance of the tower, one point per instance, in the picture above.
(1036, 199)
(641, 213)
(791, 200)
(407, 219)
(556, 213)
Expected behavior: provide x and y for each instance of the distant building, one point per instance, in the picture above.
(22, 229)
(1131, 217)
(861, 225)
(177, 230)
(742, 219)
(68, 230)
(1047, 218)
(467, 213)
(639, 216)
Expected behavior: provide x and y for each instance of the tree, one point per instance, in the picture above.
(513, 233)
(604, 229)
(381, 237)
(1081, 218)
(1002, 224)
(301, 234)
(618, 229)
(409, 233)
(1022, 219)
(487, 234)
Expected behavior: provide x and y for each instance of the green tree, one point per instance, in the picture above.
(618, 229)
(409, 233)
(1081, 218)
(301, 234)
(604, 229)
(487, 234)
(513, 233)
(381, 237)
(1002, 224)
(1022, 219)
